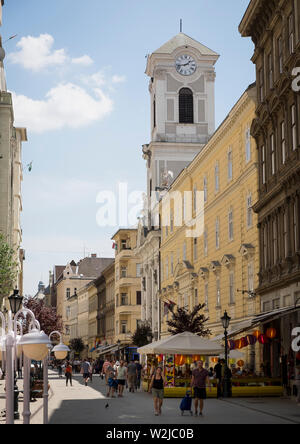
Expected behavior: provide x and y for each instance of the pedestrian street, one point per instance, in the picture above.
(89, 405)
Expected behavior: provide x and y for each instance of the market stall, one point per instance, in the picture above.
(178, 356)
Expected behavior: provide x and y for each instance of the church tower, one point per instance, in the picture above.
(182, 91)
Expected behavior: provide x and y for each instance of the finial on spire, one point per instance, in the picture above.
(180, 25)
(1, 4)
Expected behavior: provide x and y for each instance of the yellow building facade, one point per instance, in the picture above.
(223, 258)
(127, 286)
(109, 307)
(92, 294)
(67, 287)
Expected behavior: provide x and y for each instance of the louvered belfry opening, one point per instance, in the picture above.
(186, 106)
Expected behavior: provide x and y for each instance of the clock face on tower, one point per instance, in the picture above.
(185, 65)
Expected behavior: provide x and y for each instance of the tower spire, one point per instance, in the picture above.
(3, 86)
(180, 25)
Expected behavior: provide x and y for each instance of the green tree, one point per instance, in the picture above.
(183, 320)
(8, 269)
(77, 345)
(140, 337)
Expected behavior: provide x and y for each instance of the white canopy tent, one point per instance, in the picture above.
(183, 344)
(233, 354)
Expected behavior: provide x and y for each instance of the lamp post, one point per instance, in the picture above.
(118, 343)
(15, 302)
(61, 352)
(225, 322)
(35, 347)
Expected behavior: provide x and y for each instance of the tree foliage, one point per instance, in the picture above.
(47, 316)
(183, 320)
(8, 269)
(77, 345)
(140, 337)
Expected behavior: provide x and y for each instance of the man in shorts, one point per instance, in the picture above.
(121, 377)
(200, 379)
(132, 376)
(85, 367)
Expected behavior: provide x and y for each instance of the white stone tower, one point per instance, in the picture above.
(182, 91)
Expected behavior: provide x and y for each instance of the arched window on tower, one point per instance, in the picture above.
(186, 106)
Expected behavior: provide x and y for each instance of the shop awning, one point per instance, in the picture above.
(185, 344)
(262, 318)
(236, 329)
(110, 349)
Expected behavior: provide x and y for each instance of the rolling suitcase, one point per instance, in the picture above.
(186, 404)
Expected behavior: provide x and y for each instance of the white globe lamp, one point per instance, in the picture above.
(35, 345)
(61, 351)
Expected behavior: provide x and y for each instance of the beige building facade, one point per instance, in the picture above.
(109, 305)
(127, 286)
(70, 289)
(11, 175)
(210, 268)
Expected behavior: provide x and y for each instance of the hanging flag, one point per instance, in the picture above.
(171, 305)
(115, 246)
(166, 308)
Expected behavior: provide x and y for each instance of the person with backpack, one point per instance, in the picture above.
(112, 383)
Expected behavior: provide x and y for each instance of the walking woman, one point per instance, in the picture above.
(157, 387)
(68, 373)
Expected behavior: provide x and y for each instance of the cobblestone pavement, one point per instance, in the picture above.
(88, 405)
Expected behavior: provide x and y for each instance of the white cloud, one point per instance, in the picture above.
(83, 61)
(37, 53)
(66, 105)
(102, 78)
(97, 79)
(118, 79)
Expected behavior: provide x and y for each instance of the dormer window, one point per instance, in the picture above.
(186, 106)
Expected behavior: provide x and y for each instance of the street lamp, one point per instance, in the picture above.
(225, 322)
(61, 352)
(15, 302)
(118, 343)
(35, 345)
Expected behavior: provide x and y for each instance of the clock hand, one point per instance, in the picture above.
(183, 64)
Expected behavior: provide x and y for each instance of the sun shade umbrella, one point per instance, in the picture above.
(149, 349)
(185, 344)
(233, 354)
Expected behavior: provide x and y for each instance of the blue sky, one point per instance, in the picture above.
(76, 70)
